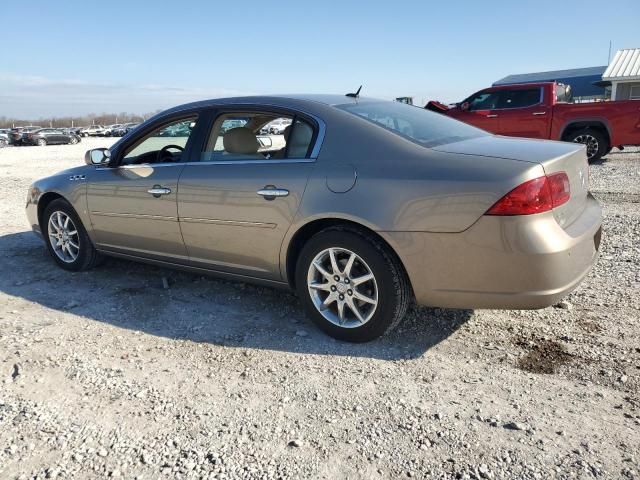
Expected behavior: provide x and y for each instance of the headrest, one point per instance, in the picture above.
(240, 140)
(286, 132)
(300, 140)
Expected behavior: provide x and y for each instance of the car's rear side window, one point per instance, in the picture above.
(250, 135)
(417, 124)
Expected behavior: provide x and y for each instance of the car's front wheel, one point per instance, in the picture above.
(351, 285)
(42, 142)
(73, 140)
(66, 238)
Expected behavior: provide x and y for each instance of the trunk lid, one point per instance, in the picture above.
(570, 158)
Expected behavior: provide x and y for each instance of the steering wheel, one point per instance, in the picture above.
(164, 155)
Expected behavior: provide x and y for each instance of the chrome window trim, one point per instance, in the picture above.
(322, 126)
(225, 162)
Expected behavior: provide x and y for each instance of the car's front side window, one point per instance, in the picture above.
(164, 144)
(257, 136)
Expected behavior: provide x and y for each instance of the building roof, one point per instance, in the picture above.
(552, 75)
(581, 79)
(625, 65)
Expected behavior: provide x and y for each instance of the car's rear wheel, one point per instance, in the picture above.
(3, 142)
(66, 238)
(42, 142)
(595, 142)
(351, 285)
(73, 140)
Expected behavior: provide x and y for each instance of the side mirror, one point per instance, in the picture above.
(464, 106)
(97, 156)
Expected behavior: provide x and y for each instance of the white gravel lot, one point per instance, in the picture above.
(107, 374)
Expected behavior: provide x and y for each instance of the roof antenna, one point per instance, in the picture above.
(354, 95)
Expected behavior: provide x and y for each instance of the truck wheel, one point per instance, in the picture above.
(597, 145)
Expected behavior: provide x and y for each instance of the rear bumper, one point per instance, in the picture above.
(501, 262)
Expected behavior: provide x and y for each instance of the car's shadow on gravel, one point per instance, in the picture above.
(201, 309)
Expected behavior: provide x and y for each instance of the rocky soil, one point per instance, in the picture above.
(132, 371)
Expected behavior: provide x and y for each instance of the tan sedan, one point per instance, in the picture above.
(361, 205)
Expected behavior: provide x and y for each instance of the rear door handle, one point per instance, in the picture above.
(270, 192)
(158, 190)
(539, 113)
(492, 116)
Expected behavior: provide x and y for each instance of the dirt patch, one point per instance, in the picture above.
(589, 326)
(543, 356)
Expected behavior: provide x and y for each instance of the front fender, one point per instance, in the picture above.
(70, 185)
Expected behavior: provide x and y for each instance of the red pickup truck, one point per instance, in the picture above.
(543, 110)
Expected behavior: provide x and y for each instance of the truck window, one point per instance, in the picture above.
(520, 98)
(483, 101)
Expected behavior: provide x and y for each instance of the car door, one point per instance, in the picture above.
(522, 112)
(133, 203)
(236, 207)
(56, 136)
(479, 110)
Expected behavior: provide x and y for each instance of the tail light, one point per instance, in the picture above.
(534, 196)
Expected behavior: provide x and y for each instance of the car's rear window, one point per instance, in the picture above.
(417, 124)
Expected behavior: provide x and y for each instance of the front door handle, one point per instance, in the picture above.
(270, 192)
(492, 116)
(158, 190)
(539, 113)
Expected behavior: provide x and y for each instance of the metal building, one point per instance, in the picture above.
(581, 80)
(624, 74)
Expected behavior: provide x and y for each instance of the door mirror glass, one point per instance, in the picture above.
(464, 106)
(97, 156)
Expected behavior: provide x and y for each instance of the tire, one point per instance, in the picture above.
(3, 143)
(389, 286)
(86, 255)
(73, 140)
(596, 143)
(41, 142)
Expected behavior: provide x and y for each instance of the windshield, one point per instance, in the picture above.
(417, 124)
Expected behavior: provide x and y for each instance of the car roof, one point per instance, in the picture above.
(291, 100)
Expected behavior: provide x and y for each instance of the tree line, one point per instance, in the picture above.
(76, 121)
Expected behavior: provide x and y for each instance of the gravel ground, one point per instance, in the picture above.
(109, 374)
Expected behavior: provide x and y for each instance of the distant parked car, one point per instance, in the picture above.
(50, 136)
(93, 131)
(18, 134)
(109, 130)
(75, 130)
(277, 126)
(130, 126)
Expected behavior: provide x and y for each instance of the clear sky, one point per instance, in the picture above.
(74, 57)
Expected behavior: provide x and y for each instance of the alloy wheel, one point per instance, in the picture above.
(342, 287)
(63, 237)
(590, 141)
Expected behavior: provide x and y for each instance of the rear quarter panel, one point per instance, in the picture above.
(402, 186)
